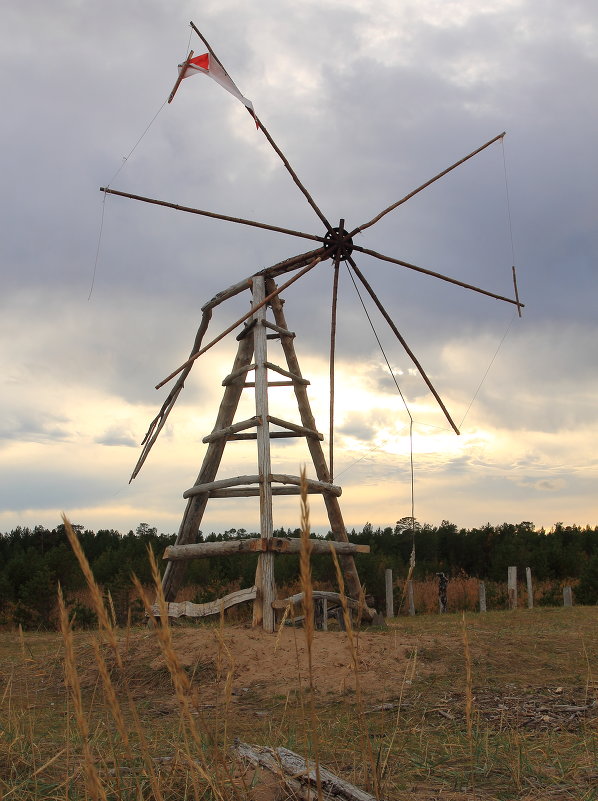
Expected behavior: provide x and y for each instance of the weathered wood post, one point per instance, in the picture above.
(530, 588)
(512, 587)
(442, 597)
(410, 597)
(567, 596)
(482, 589)
(389, 599)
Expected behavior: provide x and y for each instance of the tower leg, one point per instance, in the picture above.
(175, 571)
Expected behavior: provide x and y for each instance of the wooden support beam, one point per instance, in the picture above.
(205, 550)
(221, 433)
(221, 484)
(310, 433)
(321, 486)
(296, 378)
(251, 492)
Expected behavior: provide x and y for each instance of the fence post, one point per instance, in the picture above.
(410, 596)
(482, 596)
(530, 588)
(512, 587)
(567, 596)
(389, 599)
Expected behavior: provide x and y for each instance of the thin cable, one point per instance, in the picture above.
(488, 368)
(124, 161)
(411, 466)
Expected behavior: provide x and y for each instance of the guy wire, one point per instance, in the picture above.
(124, 161)
(404, 403)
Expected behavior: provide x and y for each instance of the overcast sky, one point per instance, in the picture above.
(368, 100)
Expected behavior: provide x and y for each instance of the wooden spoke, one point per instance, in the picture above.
(434, 274)
(426, 184)
(213, 214)
(401, 339)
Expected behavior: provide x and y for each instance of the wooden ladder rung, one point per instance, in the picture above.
(296, 378)
(273, 435)
(225, 432)
(272, 384)
(279, 330)
(306, 432)
(237, 374)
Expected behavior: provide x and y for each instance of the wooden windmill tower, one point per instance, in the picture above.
(258, 368)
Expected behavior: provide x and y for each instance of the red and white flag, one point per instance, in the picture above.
(208, 64)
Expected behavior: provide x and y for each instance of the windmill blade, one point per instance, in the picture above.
(213, 214)
(442, 277)
(273, 144)
(426, 184)
(401, 339)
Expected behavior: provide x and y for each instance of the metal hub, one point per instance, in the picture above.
(335, 238)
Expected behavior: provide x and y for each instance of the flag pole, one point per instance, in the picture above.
(184, 68)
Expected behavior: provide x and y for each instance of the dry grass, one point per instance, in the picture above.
(499, 706)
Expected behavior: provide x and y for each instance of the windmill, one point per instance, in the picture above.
(254, 368)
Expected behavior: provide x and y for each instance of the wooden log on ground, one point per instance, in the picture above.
(299, 775)
(189, 609)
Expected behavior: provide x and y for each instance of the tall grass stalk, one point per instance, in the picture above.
(92, 780)
(107, 630)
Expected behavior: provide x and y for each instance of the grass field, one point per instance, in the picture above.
(496, 706)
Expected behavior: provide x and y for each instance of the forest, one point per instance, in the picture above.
(33, 561)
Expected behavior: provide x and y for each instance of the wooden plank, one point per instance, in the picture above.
(249, 384)
(304, 430)
(202, 550)
(220, 484)
(220, 433)
(188, 609)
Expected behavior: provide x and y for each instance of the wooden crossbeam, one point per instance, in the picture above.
(238, 484)
(204, 550)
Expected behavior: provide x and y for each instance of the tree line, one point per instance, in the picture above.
(34, 560)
